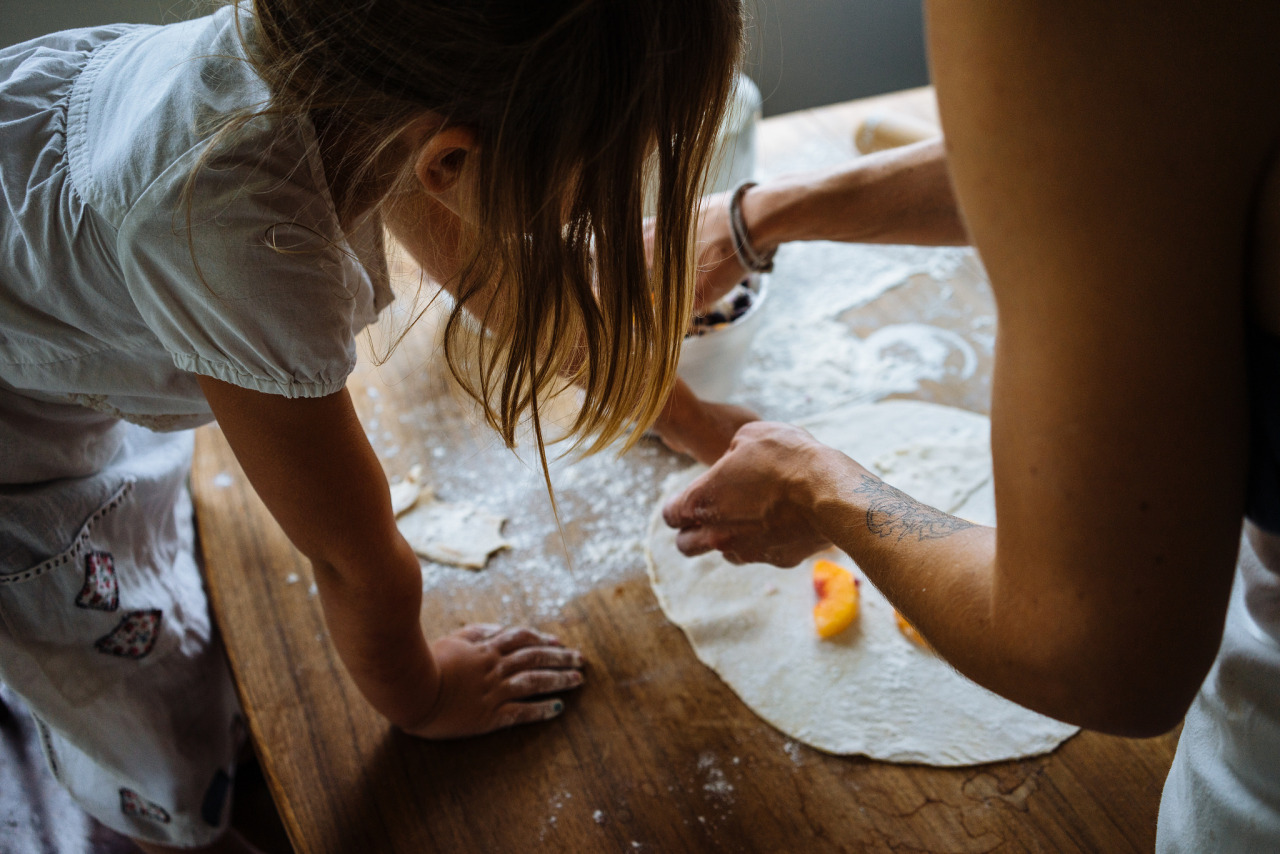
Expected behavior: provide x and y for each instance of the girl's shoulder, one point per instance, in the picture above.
(142, 114)
(230, 248)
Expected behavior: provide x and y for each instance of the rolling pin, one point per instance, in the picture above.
(879, 131)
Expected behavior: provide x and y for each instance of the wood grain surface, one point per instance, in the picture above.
(654, 753)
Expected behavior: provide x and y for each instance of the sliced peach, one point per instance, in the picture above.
(837, 591)
(909, 631)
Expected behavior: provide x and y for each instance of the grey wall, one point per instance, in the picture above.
(24, 19)
(802, 53)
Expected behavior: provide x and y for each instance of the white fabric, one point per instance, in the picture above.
(104, 316)
(101, 303)
(157, 726)
(75, 442)
(1223, 791)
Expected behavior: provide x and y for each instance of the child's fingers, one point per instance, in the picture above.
(513, 639)
(540, 658)
(513, 714)
(531, 683)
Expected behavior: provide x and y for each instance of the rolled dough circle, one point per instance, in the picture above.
(869, 690)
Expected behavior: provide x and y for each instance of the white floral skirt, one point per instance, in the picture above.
(105, 628)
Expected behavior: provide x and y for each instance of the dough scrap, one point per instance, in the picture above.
(405, 493)
(870, 690)
(446, 532)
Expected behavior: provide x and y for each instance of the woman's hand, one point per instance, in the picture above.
(718, 266)
(898, 196)
(492, 678)
(755, 504)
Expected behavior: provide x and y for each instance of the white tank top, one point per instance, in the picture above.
(1223, 791)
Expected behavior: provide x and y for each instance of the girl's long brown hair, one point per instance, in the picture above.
(576, 104)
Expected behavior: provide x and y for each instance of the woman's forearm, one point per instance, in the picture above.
(1047, 647)
(898, 196)
(1060, 631)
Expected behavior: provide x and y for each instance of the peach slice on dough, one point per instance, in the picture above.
(837, 591)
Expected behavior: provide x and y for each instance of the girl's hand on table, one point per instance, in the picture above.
(493, 677)
(755, 505)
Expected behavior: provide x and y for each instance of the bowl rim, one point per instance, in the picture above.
(761, 291)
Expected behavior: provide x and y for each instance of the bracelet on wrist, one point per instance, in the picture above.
(748, 256)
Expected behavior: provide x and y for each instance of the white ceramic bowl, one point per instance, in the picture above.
(734, 158)
(711, 363)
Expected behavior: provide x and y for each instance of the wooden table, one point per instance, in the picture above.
(655, 753)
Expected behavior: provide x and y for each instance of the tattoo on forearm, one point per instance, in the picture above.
(893, 513)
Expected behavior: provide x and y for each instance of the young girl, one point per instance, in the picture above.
(192, 224)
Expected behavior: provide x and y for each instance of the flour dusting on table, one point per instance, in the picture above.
(807, 359)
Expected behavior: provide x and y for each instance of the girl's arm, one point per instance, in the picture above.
(1107, 159)
(312, 465)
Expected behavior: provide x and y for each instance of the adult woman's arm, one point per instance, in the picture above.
(1106, 159)
(898, 196)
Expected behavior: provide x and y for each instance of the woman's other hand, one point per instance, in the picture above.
(718, 266)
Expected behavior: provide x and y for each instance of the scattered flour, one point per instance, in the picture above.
(806, 359)
(604, 501)
(716, 785)
(555, 803)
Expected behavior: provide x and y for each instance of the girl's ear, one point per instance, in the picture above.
(442, 160)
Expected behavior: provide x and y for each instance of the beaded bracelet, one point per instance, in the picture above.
(747, 254)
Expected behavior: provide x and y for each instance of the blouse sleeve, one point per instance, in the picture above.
(257, 287)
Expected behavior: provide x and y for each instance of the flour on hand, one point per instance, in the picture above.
(868, 690)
